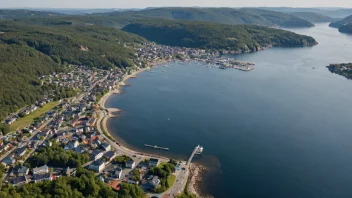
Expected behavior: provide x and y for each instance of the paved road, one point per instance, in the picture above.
(181, 177)
(31, 137)
(180, 182)
(8, 152)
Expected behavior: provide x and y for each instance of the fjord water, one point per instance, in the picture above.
(282, 130)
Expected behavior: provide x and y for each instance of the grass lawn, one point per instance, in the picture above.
(171, 179)
(28, 119)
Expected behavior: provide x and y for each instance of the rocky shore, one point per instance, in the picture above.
(195, 178)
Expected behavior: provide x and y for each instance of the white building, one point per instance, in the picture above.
(97, 154)
(40, 170)
(97, 166)
(153, 162)
(42, 177)
(130, 164)
(155, 181)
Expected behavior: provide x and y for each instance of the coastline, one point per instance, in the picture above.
(112, 112)
(195, 178)
(116, 89)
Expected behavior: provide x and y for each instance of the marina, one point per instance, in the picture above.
(227, 63)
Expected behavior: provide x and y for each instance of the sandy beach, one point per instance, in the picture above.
(113, 112)
(116, 89)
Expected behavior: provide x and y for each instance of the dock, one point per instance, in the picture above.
(197, 150)
(156, 147)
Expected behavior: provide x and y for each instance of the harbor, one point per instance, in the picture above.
(227, 63)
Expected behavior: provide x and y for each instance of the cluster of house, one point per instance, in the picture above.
(27, 110)
(77, 141)
(22, 174)
(79, 77)
(113, 174)
(150, 52)
(74, 128)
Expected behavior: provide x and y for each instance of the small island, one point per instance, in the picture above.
(343, 69)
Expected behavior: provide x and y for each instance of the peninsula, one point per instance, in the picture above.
(225, 38)
(343, 69)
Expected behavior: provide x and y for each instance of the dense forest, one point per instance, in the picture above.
(84, 185)
(337, 13)
(20, 67)
(63, 43)
(313, 17)
(28, 52)
(229, 16)
(219, 15)
(346, 28)
(342, 22)
(206, 35)
(19, 13)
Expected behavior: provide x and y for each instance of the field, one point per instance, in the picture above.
(28, 119)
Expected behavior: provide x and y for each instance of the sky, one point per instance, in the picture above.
(161, 3)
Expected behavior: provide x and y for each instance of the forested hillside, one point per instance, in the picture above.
(10, 14)
(28, 52)
(220, 15)
(313, 17)
(342, 22)
(108, 21)
(20, 67)
(105, 46)
(346, 28)
(335, 13)
(205, 35)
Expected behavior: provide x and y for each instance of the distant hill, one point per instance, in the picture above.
(335, 13)
(10, 14)
(313, 17)
(340, 13)
(220, 15)
(342, 22)
(346, 28)
(236, 38)
(80, 11)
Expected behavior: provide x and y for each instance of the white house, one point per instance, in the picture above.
(153, 162)
(155, 181)
(106, 146)
(97, 166)
(40, 170)
(130, 164)
(97, 154)
(42, 177)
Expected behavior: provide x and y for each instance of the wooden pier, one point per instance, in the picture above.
(156, 147)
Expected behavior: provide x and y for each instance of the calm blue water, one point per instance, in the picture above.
(283, 130)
